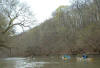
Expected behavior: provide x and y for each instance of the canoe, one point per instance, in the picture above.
(66, 57)
(82, 59)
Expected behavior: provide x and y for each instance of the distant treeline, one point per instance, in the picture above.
(72, 29)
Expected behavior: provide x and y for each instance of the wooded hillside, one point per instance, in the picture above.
(72, 29)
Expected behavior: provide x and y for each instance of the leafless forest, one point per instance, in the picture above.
(72, 29)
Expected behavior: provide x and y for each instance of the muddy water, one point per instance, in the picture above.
(48, 62)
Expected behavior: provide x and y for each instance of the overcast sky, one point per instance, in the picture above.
(43, 9)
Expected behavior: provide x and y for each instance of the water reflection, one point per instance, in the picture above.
(21, 63)
(47, 63)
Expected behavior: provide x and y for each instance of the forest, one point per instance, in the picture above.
(72, 29)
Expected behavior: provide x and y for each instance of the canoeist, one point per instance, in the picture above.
(85, 56)
(66, 57)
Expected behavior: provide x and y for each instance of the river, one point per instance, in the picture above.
(48, 62)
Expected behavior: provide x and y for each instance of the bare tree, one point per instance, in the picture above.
(17, 14)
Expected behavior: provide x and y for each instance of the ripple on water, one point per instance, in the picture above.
(15, 59)
(23, 63)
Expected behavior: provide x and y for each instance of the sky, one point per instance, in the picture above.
(43, 9)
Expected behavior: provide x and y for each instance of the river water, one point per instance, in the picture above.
(48, 62)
